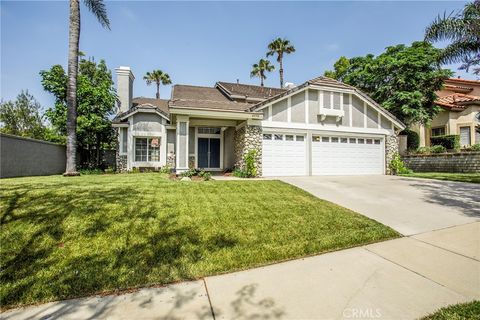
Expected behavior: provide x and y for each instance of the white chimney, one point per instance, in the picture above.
(125, 79)
(289, 85)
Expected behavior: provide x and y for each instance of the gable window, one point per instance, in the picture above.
(439, 131)
(147, 149)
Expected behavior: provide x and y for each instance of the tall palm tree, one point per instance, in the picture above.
(97, 7)
(463, 30)
(259, 69)
(280, 47)
(159, 77)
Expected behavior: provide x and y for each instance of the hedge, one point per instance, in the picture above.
(450, 142)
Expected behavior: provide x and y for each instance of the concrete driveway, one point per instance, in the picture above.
(408, 205)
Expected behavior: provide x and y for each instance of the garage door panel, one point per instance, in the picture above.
(351, 158)
(283, 157)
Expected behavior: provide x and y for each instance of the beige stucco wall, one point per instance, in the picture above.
(327, 99)
(452, 121)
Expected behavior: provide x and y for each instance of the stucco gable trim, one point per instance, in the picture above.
(358, 93)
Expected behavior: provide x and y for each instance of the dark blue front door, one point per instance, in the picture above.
(208, 152)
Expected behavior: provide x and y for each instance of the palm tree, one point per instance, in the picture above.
(259, 69)
(97, 7)
(159, 77)
(280, 47)
(463, 30)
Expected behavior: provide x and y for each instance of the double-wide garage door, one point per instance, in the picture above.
(286, 154)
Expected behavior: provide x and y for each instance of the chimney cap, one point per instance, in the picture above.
(124, 70)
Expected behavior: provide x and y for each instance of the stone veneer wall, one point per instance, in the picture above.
(391, 148)
(462, 162)
(120, 160)
(245, 139)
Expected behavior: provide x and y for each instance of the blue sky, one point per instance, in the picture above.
(200, 43)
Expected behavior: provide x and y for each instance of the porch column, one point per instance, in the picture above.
(182, 144)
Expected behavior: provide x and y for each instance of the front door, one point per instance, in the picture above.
(209, 153)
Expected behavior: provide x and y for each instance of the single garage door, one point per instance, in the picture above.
(334, 155)
(284, 154)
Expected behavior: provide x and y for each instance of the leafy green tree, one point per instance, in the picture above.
(403, 79)
(259, 69)
(97, 7)
(96, 99)
(280, 47)
(22, 117)
(158, 77)
(340, 69)
(462, 29)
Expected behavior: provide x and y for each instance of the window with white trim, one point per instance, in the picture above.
(300, 138)
(289, 137)
(147, 149)
(267, 136)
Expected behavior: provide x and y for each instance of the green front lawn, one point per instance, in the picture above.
(462, 311)
(68, 237)
(462, 177)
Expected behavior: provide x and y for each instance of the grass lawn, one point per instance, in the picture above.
(462, 177)
(69, 237)
(463, 311)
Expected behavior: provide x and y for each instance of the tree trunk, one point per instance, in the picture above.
(281, 73)
(261, 79)
(158, 90)
(73, 42)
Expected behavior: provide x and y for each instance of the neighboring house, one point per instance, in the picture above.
(460, 115)
(320, 127)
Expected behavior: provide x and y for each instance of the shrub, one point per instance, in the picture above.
(423, 150)
(438, 149)
(165, 169)
(250, 160)
(473, 147)
(239, 173)
(397, 166)
(450, 142)
(205, 175)
(189, 173)
(413, 140)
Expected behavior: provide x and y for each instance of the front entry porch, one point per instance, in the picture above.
(208, 144)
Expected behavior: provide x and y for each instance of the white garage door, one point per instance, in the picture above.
(284, 154)
(333, 155)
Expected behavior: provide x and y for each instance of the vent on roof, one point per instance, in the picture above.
(289, 85)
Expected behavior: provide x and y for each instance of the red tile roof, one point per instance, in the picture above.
(457, 101)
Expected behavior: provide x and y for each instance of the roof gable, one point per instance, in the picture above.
(240, 90)
(326, 82)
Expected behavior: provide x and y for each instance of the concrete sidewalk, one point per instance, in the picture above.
(404, 278)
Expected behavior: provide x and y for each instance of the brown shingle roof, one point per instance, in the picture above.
(457, 101)
(329, 82)
(247, 90)
(156, 103)
(204, 98)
